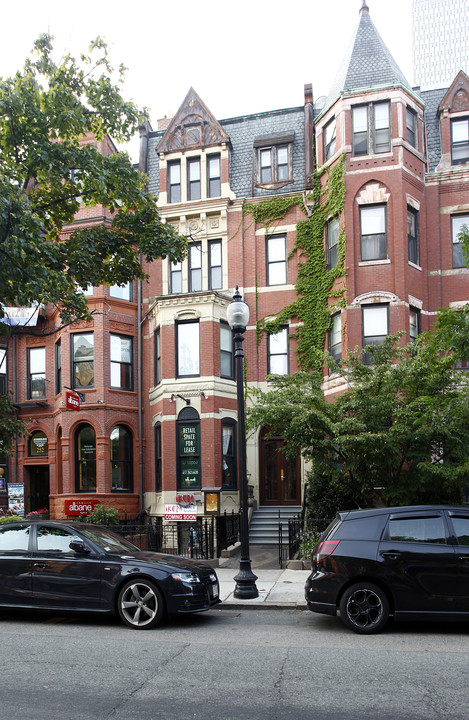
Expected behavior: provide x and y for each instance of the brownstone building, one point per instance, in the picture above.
(156, 365)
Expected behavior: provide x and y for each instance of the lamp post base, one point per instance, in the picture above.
(246, 588)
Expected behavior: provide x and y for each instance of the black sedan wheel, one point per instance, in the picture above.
(140, 604)
(364, 608)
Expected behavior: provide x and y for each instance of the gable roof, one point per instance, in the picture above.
(367, 63)
(457, 96)
(193, 126)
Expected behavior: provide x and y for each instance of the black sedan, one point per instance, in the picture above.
(54, 565)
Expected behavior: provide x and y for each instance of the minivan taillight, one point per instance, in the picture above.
(324, 549)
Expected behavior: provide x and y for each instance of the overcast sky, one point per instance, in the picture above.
(241, 57)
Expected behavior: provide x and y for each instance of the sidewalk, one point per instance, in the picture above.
(277, 588)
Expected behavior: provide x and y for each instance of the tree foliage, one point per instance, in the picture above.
(397, 435)
(46, 172)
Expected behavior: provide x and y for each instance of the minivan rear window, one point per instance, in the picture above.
(364, 528)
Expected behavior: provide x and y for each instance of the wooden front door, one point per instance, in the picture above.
(280, 482)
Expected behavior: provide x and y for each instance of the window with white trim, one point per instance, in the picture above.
(277, 353)
(375, 323)
(187, 348)
(174, 181)
(121, 353)
(226, 351)
(213, 175)
(175, 277)
(460, 141)
(276, 252)
(36, 373)
(193, 179)
(373, 241)
(195, 267)
(215, 277)
(371, 128)
(122, 292)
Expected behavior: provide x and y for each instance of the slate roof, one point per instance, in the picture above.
(432, 100)
(244, 133)
(367, 62)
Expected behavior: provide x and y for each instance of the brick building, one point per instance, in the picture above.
(160, 417)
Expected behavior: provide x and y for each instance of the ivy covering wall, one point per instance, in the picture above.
(315, 284)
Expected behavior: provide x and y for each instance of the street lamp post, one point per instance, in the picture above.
(238, 316)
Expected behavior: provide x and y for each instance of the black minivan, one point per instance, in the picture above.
(405, 562)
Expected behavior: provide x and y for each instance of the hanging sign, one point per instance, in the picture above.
(72, 401)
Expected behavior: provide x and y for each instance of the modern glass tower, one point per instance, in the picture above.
(440, 41)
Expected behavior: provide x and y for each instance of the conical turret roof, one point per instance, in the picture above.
(367, 63)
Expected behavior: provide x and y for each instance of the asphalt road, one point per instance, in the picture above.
(230, 665)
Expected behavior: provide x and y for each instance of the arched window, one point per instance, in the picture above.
(38, 444)
(85, 459)
(188, 449)
(121, 459)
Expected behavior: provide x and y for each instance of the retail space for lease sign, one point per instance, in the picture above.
(189, 455)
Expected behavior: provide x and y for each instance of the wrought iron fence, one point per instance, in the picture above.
(204, 539)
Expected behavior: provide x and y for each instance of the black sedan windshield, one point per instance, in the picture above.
(109, 541)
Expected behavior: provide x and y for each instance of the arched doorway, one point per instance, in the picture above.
(280, 480)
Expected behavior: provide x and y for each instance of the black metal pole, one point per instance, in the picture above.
(245, 580)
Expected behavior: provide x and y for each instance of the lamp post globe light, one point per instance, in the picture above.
(238, 315)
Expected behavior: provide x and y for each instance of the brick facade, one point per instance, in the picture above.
(261, 156)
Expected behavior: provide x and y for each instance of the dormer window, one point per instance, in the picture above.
(460, 141)
(273, 160)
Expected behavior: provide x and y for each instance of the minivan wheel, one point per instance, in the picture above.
(364, 608)
(140, 604)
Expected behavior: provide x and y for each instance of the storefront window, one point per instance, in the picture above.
(85, 459)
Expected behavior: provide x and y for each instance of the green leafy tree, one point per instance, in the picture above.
(47, 172)
(397, 435)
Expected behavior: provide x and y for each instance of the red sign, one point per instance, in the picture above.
(72, 401)
(80, 506)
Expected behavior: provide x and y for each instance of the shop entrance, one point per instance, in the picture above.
(280, 481)
(37, 493)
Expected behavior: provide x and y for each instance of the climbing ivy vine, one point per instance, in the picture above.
(315, 284)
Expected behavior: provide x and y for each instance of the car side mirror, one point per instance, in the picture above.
(79, 547)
